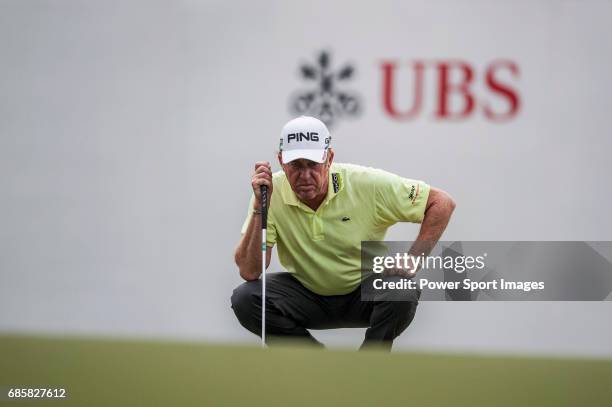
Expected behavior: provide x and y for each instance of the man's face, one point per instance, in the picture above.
(308, 179)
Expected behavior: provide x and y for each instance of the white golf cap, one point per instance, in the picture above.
(304, 137)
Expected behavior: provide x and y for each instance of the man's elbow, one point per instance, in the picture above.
(244, 271)
(442, 201)
(247, 274)
(450, 203)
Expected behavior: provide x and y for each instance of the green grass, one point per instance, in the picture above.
(130, 373)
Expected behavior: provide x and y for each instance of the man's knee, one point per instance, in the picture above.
(244, 298)
(399, 307)
(403, 314)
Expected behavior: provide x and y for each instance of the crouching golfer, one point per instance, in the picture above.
(319, 212)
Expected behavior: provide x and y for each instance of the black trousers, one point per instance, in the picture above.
(292, 309)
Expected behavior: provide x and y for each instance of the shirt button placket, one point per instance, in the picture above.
(317, 227)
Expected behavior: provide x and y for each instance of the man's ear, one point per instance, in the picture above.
(280, 159)
(330, 157)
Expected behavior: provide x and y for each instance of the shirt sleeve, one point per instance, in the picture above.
(270, 229)
(399, 199)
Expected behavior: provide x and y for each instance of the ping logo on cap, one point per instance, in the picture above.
(310, 136)
(304, 137)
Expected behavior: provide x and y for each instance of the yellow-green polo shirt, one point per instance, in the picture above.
(322, 248)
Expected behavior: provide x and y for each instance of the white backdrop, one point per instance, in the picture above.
(128, 131)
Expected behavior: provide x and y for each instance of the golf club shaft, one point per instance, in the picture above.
(264, 221)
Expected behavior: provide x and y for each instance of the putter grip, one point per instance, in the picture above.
(264, 206)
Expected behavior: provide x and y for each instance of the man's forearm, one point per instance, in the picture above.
(434, 223)
(248, 254)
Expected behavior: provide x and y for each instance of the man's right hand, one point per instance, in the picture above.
(261, 176)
